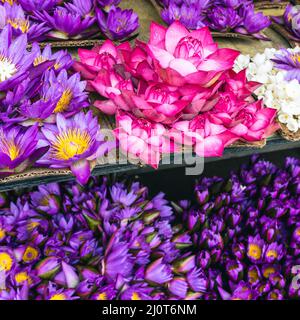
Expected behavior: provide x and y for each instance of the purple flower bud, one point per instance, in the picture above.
(178, 286)
(184, 264)
(203, 259)
(48, 267)
(254, 275)
(275, 295)
(117, 24)
(197, 280)
(234, 270)
(158, 272)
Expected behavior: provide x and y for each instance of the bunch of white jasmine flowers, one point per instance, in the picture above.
(276, 91)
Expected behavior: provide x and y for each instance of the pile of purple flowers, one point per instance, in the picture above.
(105, 241)
(245, 232)
(219, 15)
(42, 121)
(240, 239)
(64, 20)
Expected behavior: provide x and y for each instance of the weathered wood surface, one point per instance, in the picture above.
(147, 13)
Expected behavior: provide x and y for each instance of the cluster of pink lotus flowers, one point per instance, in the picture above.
(179, 89)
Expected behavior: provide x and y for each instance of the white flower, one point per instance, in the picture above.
(259, 59)
(241, 62)
(284, 118)
(292, 125)
(275, 91)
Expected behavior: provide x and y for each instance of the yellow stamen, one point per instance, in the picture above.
(13, 151)
(11, 2)
(57, 66)
(64, 101)
(70, 143)
(254, 251)
(30, 254)
(59, 296)
(102, 296)
(22, 277)
(268, 271)
(32, 225)
(253, 276)
(2, 234)
(20, 24)
(272, 254)
(296, 57)
(6, 261)
(135, 296)
(38, 60)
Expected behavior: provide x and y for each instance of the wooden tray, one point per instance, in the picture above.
(286, 34)
(262, 5)
(287, 134)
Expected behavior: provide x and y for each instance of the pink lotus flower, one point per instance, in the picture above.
(100, 57)
(207, 138)
(255, 122)
(156, 102)
(184, 57)
(238, 84)
(142, 139)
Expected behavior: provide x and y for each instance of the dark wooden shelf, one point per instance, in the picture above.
(275, 143)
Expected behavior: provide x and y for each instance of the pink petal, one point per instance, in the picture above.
(109, 47)
(182, 66)
(107, 106)
(162, 56)
(174, 34)
(157, 35)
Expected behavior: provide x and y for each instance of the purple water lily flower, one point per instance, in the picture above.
(15, 61)
(7, 260)
(81, 7)
(47, 198)
(223, 19)
(255, 22)
(15, 16)
(254, 275)
(274, 252)
(291, 20)
(74, 143)
(66, 25)
(117, 24)
(24, 276)
(18, 149)
(158, 272)
(63, 60)
(256, 248)
(290, 62)
(37, 5)
(190, 16)
(72, 96)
